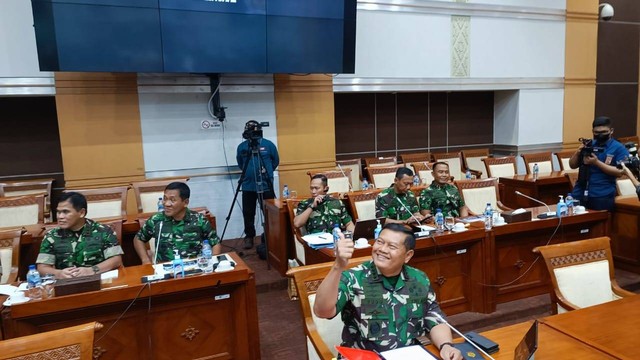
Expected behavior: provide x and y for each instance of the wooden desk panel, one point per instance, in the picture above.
(613, 327)
(185, 319)
(625, 238)
(546, 188)
(279, 235)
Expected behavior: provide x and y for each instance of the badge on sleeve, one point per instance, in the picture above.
(609, 159)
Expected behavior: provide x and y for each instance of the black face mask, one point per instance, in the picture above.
(602, 138)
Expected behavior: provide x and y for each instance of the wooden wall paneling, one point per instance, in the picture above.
(618, 46)
(470, 118)
(100, 134)
(386, 123)
(355, 123)
(306, 127)
(413, 121)
(438, 121)
(618, 101)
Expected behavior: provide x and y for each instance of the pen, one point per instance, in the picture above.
(379, 355)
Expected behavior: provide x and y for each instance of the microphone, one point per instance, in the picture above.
(155, 254)
(407, 210)
(548, 214)
(345, 175)
(459, 333)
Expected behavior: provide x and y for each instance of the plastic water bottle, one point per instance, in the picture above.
(285, 192)
(467, 175)
(365, 185)
(377, 230)
(488, 217)
(160, 205)
(569, 201)
(207, 253)
(416, 180)
(561, 208)
(536, 170)
(34, 283)
(336, 236)
(439, 219)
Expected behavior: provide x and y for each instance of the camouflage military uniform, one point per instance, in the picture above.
(378, 316)
(445, 197)
(93, 244)
(388, 204)
(185, 235)
(325, 216)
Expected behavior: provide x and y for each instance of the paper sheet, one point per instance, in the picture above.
(7, 289)
(318, 239)
(109, 275)
(414, 352)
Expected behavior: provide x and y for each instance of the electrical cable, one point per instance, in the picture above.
(209, 106)
(124, 312)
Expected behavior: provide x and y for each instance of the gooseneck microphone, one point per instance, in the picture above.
(459, 333)
(548, 214)
(407, 210)
(345, 175)
(155, 254)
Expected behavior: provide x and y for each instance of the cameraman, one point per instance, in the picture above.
(321, 212)
(254, 174)
(631, 177)
(598, 191)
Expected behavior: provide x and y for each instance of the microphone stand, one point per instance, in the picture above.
(548, 214)
(459, 333)
(345, 175)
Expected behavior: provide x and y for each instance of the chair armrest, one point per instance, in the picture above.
(319, 345)
(476, 173)
(13, 275)
(562, 301)
(620, 291)
(502, 207)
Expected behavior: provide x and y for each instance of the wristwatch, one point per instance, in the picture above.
(445, 343)
(95, 269)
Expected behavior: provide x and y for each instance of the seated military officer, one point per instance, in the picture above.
(442, 195)
(78, 246)
(321, 212)
(175, 228)
(397, 203)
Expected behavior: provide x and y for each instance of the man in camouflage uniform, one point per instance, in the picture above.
(321, 212)
(384, 303)
(442, 195)
(78, 246)
(176, 228)
(397, 203)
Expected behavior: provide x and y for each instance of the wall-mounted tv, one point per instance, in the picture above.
(196, 36)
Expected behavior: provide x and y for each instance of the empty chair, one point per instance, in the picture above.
(543, 159)
(21, 210)
(149, 192)
(29, 187)
(424, 171)
(472, 160)
(409, 159)
(563, 160)
(363, 204)
(383, 177)
(624, 186)
(380, 161)
(581, 273)
(477, 193)
(338, 180)
(500, 167)
(106, 202)
(355, 165)
(9, 255)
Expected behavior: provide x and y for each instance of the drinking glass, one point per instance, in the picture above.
(293, 194)
(449, 222)
(49, 284)
(203, 264)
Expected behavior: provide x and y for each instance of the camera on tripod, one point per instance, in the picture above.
(633, 161)
(589, 148)
(252, 131)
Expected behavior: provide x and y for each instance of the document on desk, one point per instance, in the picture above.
(318, 239)
(414, 352)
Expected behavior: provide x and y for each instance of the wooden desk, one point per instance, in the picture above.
(509, 252)
(625, 238)
(546, 188)
(552, 344)
(279, 235)
(613, 327)
(171, 319)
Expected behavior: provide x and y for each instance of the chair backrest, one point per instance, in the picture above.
(424, 171)
(116, 225)
(29, 187)
(9, 255)
(409, 159)
(563, 160)
(363, 204)
(380, 161)
(356, 171)
(75, 342)
(581, 272)
(292, 210)
(472, 159)
(500, 167)
(148, 193)
(455, 163)
(626, 139)
(543, 159)
(107, 202)
(338, 180)
(322, 334)
(625, 186)
(477, 193)
(21, 210)
(383, 176)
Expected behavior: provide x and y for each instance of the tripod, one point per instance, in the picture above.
(260, 175)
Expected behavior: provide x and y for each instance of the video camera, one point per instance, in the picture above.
(633, 161)
(252, 131)
(589, 148)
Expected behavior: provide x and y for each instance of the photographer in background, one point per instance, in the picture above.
(597, 159)
(632, 177)
(321, 211)
(257, 184)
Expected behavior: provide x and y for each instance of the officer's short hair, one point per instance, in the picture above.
(182, 188)
(402, 172)
(409, 239)
(435, 164)
(602, 121)
(77, 200)
(322, 177)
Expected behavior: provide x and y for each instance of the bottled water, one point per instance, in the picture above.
(439, 219)
(416, 180)
(160, 205)
(207, 253)
(336, 236)
(365, 185)
(536, 170)
(569, 201)
(468, 174)
(488, 216)
(34, 283)
(285, 192)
